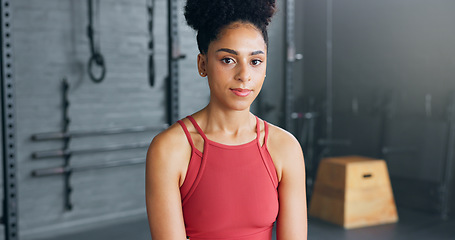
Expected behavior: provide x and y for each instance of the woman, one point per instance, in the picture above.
(222, 173)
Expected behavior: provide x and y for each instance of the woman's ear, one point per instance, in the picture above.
(202, 64)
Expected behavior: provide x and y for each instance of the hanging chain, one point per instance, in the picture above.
(151, 63)
(96, 56)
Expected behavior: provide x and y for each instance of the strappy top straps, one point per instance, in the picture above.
(258, 129)
(187, 133)
(266, 130)
(199, 130)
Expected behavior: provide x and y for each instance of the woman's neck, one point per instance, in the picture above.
(227, 121)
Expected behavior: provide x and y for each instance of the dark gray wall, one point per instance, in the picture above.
(403, 47)
(50, 43)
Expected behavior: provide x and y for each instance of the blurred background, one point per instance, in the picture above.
(88, 84)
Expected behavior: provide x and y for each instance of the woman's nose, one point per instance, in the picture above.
(243, 73)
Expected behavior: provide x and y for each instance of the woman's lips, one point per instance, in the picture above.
(241, 92)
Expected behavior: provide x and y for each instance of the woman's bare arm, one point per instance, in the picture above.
(288, 157)
(165, 158)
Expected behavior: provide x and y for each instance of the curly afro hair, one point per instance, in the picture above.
(209, 17)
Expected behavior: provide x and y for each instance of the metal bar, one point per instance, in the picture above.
(62, 170)
(173, 67)
(288, 84)
(399, 150)
(10, 208)
(329, 80)
(449, 168)
(68, 152)
(311, 121)
(87, 133)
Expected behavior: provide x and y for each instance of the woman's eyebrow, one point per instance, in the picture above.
(227, 50)
(236, 53)
(257, 52)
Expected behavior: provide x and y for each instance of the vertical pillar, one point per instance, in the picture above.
(10, 215)
(329, 78)
(173, 66)
(290, 59)
(446, 186)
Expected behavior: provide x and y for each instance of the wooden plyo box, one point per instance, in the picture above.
(353, 192)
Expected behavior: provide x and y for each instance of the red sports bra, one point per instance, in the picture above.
(230, 192)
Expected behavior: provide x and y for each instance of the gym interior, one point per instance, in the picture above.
(87, 84)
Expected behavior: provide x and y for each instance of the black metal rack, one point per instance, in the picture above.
(66, 153)
(10, 209)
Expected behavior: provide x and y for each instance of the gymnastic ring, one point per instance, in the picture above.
(99, 61)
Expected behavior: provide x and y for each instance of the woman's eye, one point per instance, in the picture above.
(227, 60)
(256, 62)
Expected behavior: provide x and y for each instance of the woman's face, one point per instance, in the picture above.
(235, 65)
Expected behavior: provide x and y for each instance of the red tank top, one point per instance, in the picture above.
(230, 192)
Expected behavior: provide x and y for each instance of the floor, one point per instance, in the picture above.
(413, 225)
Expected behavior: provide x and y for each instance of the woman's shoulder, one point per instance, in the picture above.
(169, 135)
(169, 144)
(284, 149)
(281, 138)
